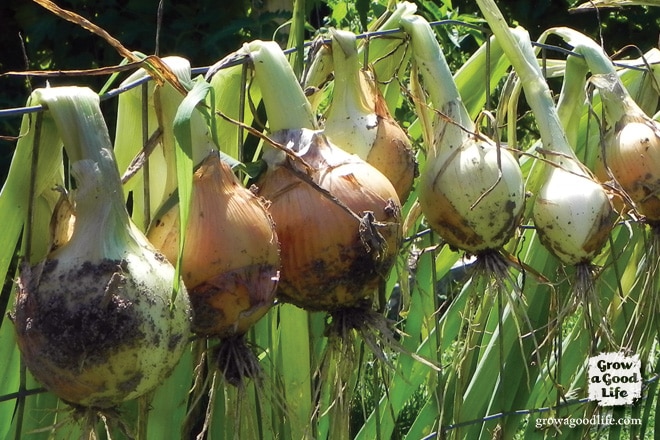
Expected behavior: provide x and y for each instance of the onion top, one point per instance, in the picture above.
(359, 121)
(471, 190)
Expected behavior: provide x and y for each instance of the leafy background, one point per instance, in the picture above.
(204, 32)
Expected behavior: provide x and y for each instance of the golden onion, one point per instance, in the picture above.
(632, 147)
(337, 219)
(230, 259)
(336, 216)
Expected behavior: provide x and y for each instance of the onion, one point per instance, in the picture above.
(631, 150)
(473, 195)
(230, 258)
(471, 190)
(337, 219)
(336, 216)
(572, 214)
(96, 321)
(632, 147)
(359, 121)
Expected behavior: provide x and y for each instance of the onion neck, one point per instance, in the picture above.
(285, 102)
(617, 102)
(103, 228)
(393, 20)
(572, 97)
(518, 48)
(619, 106)
(594, 55)
(348, 96)
(433, 67)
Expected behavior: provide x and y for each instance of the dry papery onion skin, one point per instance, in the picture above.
(392, 153)
(635, 164)
(359, 121)
(230, 262)
(331, 259)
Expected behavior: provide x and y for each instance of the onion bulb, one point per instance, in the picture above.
(572, 212)
(471, 190)
(632, 147)
(230, 259)
(631, 150)
(573, 215)
(337, 218)
(359, 121)
(96, 321)
(473, 194)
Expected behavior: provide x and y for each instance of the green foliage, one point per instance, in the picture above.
(507, 360)
(353, 14)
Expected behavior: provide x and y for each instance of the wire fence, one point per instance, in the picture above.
(545, 48)
(527, 412)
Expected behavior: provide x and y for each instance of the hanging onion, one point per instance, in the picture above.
(359, 121)
(337, 219)
(230, 259)
(96, 321)
(336, 216)
(631, 151)
(632, 147)
(471, 190)
(573, 224)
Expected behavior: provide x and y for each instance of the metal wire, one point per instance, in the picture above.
(524, 412)
(20, 111)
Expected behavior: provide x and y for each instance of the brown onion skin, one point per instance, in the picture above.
(636, 164)
(392, 153)
(325, 263)
(231, 255)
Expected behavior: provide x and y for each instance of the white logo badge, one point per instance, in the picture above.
(614, 379)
